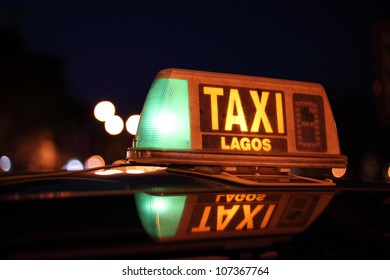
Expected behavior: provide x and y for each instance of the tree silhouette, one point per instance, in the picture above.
(40, 124)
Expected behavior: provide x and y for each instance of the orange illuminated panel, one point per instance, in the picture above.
(244, 119)
(232, 212)
(202, 118)
(221, 215)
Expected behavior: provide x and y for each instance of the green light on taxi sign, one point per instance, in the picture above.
(165, 120)
(160, 215)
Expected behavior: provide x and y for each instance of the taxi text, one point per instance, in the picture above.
(226, 217)
(233, 111)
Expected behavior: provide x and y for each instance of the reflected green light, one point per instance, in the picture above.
(165, 119)
(160, 215)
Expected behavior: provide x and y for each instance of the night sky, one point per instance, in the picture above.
(113, 49)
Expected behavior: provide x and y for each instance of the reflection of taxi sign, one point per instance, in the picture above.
(204, 118)
(229, 214)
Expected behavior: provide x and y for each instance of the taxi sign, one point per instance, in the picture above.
(206, 118)
(217, 215)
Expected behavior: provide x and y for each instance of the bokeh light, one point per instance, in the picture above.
(5, 164)
(386, 171)
(73, 165)
(104, 110)
(132, 124)
(114, 125)
(339, 172)
(94, 161)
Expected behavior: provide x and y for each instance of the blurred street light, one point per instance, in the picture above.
(5, 164)
(339, 172)
(114, 125)
(73, 165)
(94, 161)
(104, 110)
(132, 124)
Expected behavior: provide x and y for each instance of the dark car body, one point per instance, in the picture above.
(168, 213)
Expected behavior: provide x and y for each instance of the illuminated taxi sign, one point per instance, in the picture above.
(205, 118)
(232, 212)
(215, 215)
(229, 125)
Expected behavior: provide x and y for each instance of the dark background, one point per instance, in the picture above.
(58, 59)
